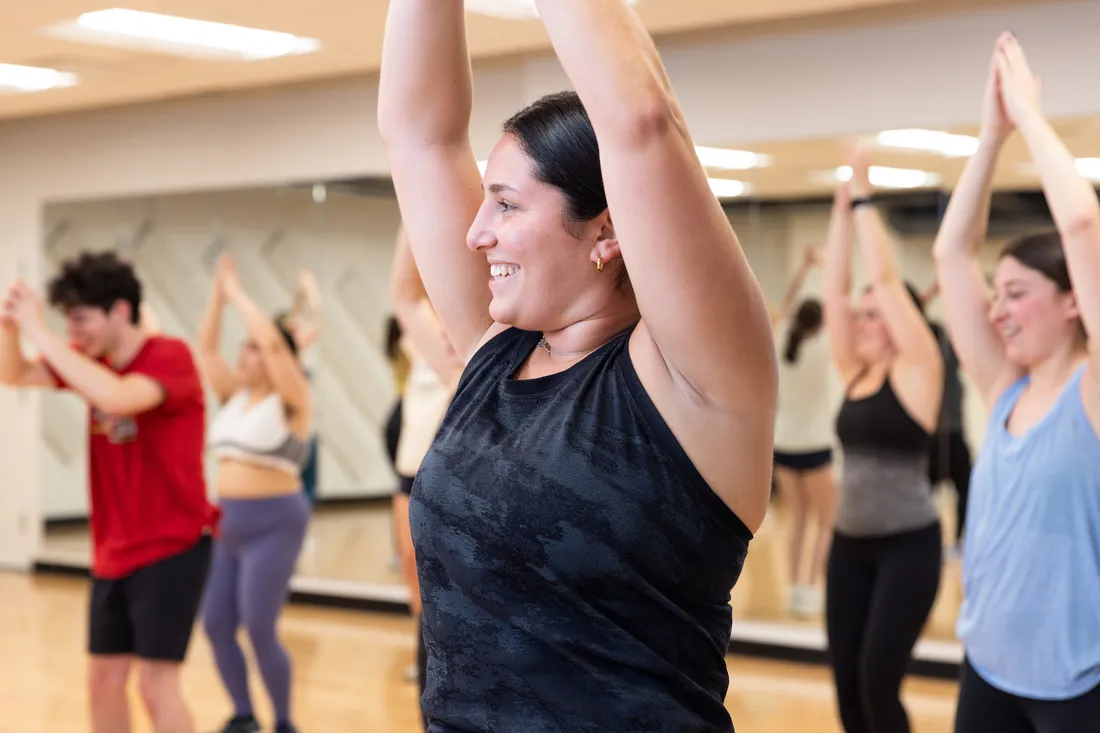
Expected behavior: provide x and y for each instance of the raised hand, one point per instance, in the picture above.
(1020, 89)
(859, 159)
(23, 307)
(996, 124)
(225, 277)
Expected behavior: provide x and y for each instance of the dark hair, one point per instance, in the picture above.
(96, 280)
(288, 337)
(1042, 252)
(393, 337)
(913, 293)
(807, 320)
(556, 133)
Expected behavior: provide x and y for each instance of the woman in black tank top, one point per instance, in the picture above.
(884, 566)
(588, 501)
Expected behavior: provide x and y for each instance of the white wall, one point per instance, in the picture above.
(272, 234)
(926, 72)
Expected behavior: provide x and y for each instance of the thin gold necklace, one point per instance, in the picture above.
(546, 345)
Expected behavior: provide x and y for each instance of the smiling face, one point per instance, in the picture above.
(542, 276)
(1033, 317)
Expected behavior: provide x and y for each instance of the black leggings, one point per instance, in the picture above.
(983, 708)
(879, 593)
(951, 460)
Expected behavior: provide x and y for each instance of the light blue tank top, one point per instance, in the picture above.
(1030, 618)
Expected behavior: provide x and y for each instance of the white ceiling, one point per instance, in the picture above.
(351, 34)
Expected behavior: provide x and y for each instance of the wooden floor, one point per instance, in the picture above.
(348, 674)
(356, 544)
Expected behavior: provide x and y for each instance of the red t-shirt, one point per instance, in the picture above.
(147, 488)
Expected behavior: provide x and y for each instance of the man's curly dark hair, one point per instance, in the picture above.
(97, 280)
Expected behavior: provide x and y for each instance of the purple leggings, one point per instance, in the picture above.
(254, 557)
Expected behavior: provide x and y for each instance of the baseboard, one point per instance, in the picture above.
(353, 502)
(328, 502)
(66, 522)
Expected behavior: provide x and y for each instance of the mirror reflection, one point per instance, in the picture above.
(323, 261)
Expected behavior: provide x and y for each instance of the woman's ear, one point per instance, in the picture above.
(606, 248)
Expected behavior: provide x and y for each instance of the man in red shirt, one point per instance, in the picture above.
(150, 518)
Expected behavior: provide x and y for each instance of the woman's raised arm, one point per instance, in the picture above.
(424, 103)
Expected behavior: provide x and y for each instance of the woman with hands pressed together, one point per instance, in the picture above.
(260, 437)
(884, 566)
(1031, 574)
(589, 499)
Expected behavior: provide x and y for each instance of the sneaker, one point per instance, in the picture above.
(241, 724)
(285, 728)
(411, 673)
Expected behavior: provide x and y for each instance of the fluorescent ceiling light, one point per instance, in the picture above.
(509, 9)
(727, 187)
(24, 79)
(1088, 168)
(932, 141)
(183, 36)
(734, 160)
(883, 177)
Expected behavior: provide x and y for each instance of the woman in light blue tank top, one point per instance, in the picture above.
(1030, 619)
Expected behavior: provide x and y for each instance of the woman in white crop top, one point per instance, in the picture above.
(434, 371)
(260, 437)
(804, 437)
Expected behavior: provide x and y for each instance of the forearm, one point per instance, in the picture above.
(967, 216)
(100, 386)
(613, 64)
(211, 329)
(1072, 199)
(795, 287)
(12, 361)
(258, 324)
(426, 88)
(837, 276)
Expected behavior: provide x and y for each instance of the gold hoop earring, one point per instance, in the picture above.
(599, 264)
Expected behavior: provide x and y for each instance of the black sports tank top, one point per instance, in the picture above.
(884, 488)
(575, 567)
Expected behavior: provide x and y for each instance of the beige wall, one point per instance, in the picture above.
(923, 72)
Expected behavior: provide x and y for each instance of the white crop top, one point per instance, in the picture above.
(424, 404)
(258, 434)
(809, 396)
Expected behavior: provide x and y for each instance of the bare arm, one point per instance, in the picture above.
(307, 297)
(838, 287)
(112, 393)
(223, 379)
(909, 331)
(1072, 199)
(686, 266)
(424, 106)
(414, 312)
(790, 298)
(962, 284)
(282, 367)
(15, 369)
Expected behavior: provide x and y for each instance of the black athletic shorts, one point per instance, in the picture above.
(803, 461)
(405, 484)
(151, 612)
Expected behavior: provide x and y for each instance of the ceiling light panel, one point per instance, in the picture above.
(509, 9)
(25, 79)
(929, 141)
(169, 34)
(883, 177)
